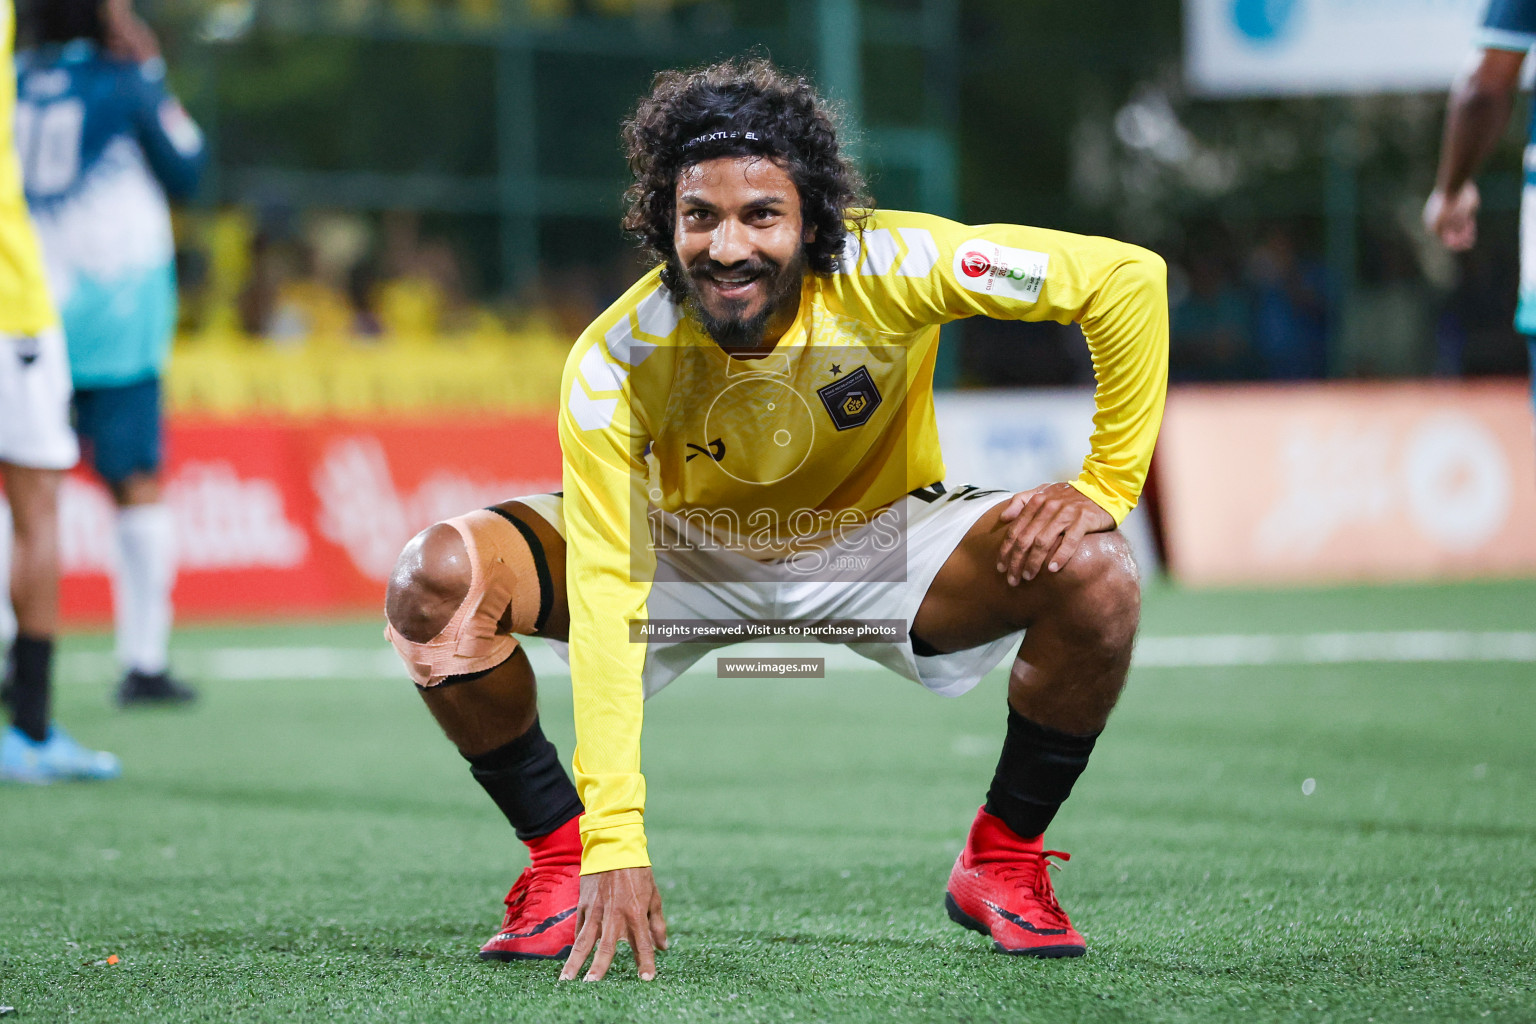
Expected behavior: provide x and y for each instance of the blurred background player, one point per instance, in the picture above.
(105, 144)
(36, 447)
(1480, 105)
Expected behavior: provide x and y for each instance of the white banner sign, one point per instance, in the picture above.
(1296, 47)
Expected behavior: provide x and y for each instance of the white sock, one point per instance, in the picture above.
(7, 613)
(141, 588)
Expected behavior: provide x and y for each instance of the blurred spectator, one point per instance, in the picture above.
(423, 292)
(362, 284)
(1388, 328)
(1475, 333)
(258, 302)
(1006, 353)
(566, 299)
(227, 237)
(1290, 325)
(1210, 326)
(323, 280)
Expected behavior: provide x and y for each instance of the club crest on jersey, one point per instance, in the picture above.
(852, 400)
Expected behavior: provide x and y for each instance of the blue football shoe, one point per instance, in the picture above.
(56, 759)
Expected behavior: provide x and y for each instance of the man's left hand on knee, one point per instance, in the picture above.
(1047, 524)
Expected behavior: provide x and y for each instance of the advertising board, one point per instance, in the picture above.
(1340, 482)
(283, 519)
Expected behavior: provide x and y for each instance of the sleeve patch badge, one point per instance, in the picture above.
(997, 270)
(851, 400)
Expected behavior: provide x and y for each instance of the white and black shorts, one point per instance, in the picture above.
(34, 402)
(932, 521)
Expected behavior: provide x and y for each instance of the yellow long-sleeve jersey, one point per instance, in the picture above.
(838, 417)
(25, 307)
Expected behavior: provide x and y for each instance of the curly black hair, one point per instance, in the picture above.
(738, 107)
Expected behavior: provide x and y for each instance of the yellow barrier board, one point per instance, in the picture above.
(235, 376)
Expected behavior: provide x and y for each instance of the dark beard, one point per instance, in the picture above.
(735, 332)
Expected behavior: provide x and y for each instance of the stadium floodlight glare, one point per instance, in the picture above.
(228, 22)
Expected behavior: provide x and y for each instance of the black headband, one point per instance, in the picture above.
(755, 137)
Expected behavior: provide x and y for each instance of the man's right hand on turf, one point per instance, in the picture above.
(622, 905)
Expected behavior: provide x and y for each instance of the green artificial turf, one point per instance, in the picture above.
(314, 851)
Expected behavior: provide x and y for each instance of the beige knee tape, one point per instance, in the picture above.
(503, 573)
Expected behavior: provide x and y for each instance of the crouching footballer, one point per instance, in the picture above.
(748, 435)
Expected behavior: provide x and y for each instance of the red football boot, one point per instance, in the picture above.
(541, 908)
(1001, 886)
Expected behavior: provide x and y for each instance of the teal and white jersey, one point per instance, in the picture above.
(1508, 25)
(1511, 25)
(102, 144)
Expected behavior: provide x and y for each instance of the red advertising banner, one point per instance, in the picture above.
(1343, 482)
(292, 518)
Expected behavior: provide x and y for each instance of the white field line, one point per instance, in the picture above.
(248, 663)
(1152, 652)
(1332, 648)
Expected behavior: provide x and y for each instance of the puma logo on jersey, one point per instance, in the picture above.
(716, 450)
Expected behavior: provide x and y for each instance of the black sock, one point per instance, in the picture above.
(1035, 774)
(526, 780)
(32, 664)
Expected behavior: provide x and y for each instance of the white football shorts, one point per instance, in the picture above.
(933, 521)
(34, 402)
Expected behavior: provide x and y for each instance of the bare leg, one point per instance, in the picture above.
(1080, 622)
(1079, 626)
(33, 495)
(7, 614)
(137, 489)
(493, 720)
(34, 499)
(489, 712)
